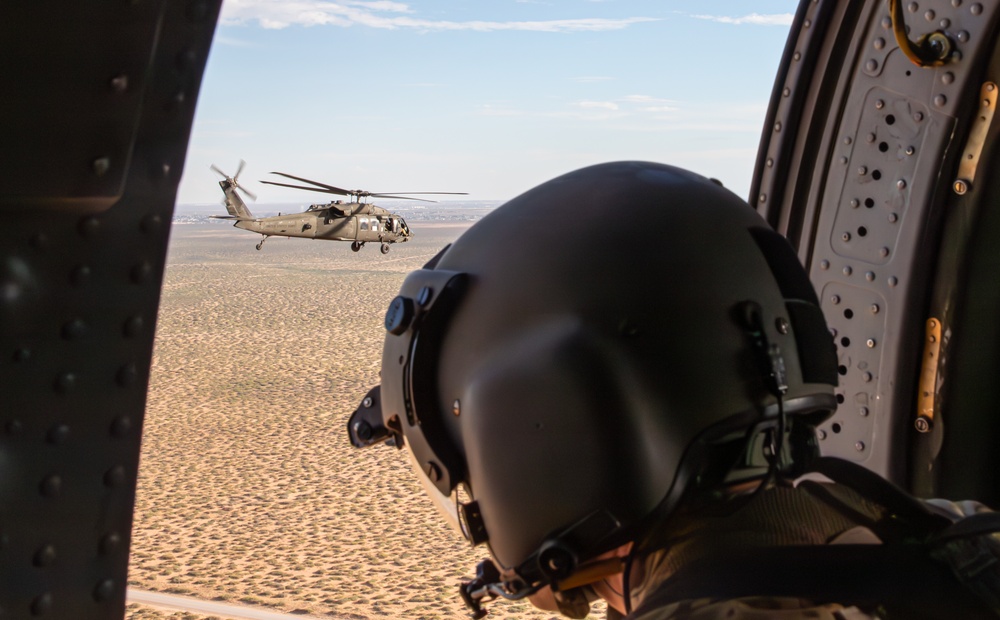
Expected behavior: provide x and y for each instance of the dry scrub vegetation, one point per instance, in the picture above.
(249, 491)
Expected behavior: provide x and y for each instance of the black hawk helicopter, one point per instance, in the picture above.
(356, 221)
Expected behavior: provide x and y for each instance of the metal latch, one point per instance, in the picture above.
(977, 138)
(928, 377)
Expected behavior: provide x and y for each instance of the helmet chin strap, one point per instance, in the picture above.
(488, 583)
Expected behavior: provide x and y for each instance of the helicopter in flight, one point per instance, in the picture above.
(355, 220)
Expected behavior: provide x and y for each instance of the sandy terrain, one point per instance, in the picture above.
(249, 491)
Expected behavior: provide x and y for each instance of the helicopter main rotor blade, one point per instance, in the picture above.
(323, 188)
(311, 189)
(331, 189)
(393, 194)
(399, 197)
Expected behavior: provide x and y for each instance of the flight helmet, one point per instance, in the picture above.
(592, 352)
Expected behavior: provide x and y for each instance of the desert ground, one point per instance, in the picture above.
(249, 491)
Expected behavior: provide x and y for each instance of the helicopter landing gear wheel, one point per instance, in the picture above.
(385, 248)
(355, 245)
(259, 244)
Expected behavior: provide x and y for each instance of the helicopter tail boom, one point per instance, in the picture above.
(234, 203)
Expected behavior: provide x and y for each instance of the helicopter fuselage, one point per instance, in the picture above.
(357, 222)
(337, 222)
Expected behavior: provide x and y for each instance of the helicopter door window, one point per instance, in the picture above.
(364, 223)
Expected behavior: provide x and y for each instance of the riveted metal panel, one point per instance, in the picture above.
(855, 167)
(82, 251)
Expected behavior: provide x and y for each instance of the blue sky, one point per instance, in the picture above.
(490, 97)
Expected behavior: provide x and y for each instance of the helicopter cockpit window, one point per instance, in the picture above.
(364, 223)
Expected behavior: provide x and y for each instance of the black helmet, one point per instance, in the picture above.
(592, 351)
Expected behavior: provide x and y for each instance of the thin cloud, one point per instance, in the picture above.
(756, 19)
(645, 99)
(648, 114)
(641, 105)
(597, 105)
(386, 15)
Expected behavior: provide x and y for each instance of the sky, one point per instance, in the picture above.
(489, 97)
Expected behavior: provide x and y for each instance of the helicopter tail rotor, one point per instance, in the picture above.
(234, 180)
